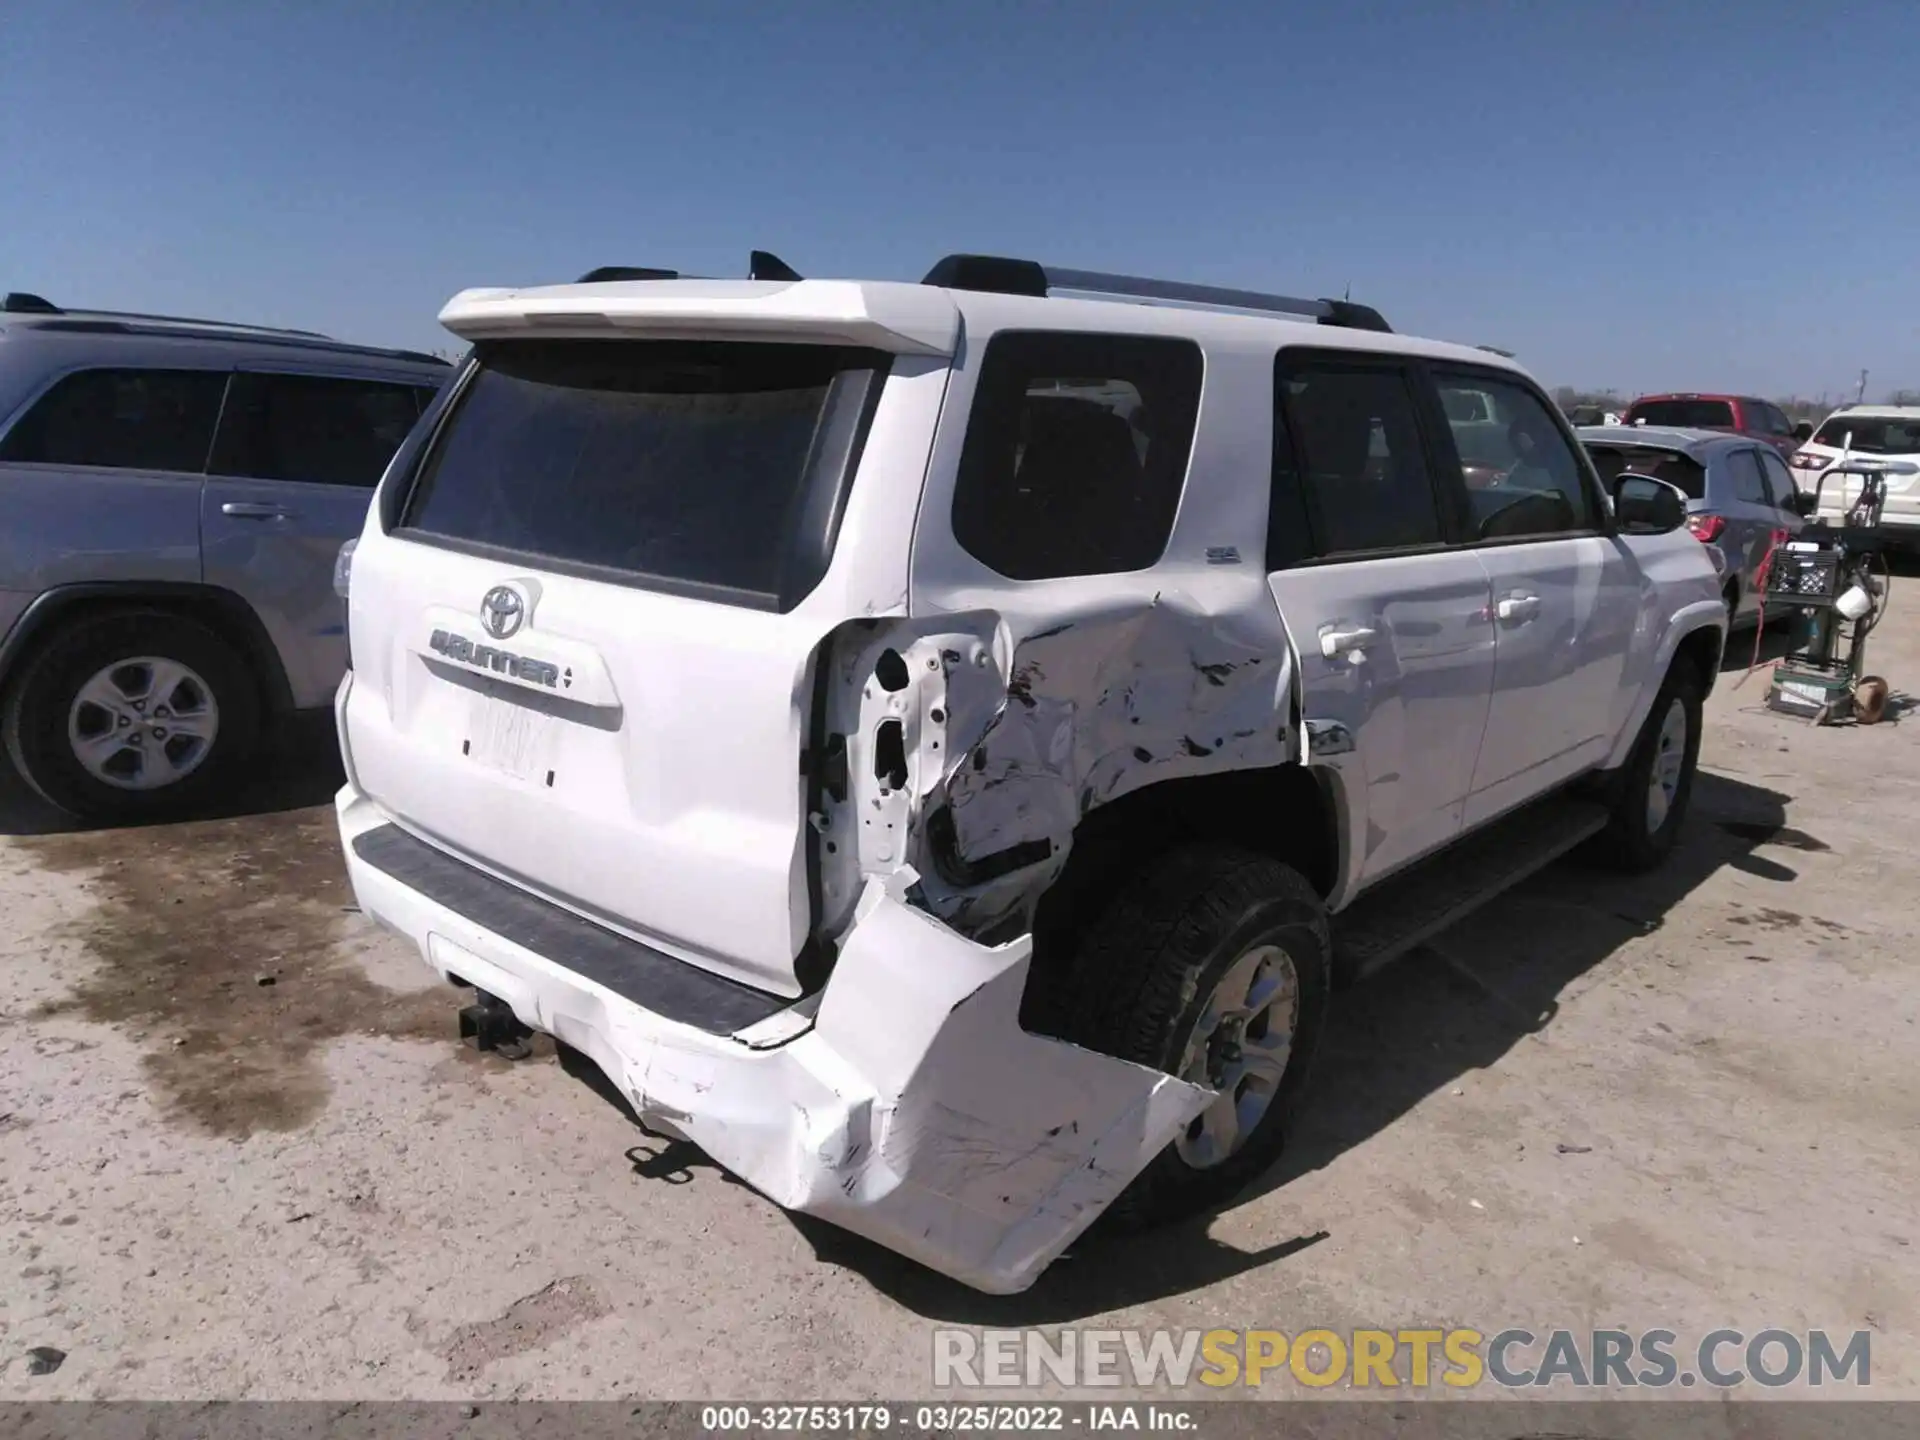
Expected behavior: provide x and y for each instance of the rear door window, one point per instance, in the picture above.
(1780, 486)
(1350, 467)
(1076, 452)
(1749, 482)
(1685, 414)
(122, 420)
(312, 429)
(711, 468)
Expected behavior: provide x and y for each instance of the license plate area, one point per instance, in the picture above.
(511, 738)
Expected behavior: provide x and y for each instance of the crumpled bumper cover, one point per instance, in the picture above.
(912, 1109)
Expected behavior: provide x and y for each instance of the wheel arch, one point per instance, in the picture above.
(222, 611)
(1701, 647)
(1697, 637)
(1291, 812)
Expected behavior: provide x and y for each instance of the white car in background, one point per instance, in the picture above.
(1872, 432)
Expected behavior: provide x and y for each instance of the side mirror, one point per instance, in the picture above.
(1646, 506)
(1803, 432)
(1803, 503)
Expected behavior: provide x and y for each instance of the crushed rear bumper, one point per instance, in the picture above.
(903, 1103)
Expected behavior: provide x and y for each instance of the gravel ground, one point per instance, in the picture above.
(241, 1154)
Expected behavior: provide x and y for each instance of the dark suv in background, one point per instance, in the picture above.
(175, 494)
(1746, 415)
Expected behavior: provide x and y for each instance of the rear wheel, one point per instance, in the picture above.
(1211, 964)
(130, 714)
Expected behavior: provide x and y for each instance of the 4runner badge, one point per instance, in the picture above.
(501, 662)
(502, 611)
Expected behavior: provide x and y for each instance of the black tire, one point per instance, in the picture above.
(35, 710)
(1146, 967)
(1632, 842)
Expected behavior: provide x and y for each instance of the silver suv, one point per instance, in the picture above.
(1742, 500)
(176, 493)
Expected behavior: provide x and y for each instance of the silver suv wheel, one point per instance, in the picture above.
(143, 723)
(1669, 761)
(1240, 1046)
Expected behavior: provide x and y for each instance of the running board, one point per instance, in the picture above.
(1385, 922)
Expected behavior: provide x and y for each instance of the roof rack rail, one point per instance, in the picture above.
(76, 323)
(761, 265)
(21, 303)
(235, 325)
(1002, 275)
(626, 272)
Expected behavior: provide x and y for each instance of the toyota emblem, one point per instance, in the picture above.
(501, 611)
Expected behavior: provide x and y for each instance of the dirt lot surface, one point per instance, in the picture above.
(241, 1153)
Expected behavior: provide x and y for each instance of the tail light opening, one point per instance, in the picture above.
(1706, 527)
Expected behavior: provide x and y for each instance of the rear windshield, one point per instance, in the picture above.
(1689, 475)
(1872, 435)
(710, 468)
(1684, 414)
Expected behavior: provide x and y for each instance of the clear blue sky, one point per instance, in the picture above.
(1640, 195)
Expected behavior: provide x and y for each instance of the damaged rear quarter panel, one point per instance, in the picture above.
(978, 740)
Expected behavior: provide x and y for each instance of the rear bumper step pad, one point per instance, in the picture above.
(650, 978)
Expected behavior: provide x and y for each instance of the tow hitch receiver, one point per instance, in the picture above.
(491, 1024)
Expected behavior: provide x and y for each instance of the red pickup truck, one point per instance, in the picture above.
(1739, 414)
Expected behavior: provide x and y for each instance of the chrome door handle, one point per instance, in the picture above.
(244, 510)
(1517, 607)
(1342, 642)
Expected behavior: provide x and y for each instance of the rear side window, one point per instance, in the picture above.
(1872, 435)
(122, 420)
(1348, 462)
(711, 468)
(1076, 452)
(313, 429)
(1684, 414)
(1613, 461)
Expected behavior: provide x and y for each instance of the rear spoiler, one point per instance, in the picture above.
(874, 315)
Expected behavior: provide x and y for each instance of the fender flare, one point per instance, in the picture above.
(1688, 620)
(222, 610)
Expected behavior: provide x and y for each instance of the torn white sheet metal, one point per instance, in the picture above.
(975, 750)
(914, 1111)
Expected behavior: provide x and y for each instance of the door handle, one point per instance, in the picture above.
(1334, 641)
(245, 510)
(1517, 606)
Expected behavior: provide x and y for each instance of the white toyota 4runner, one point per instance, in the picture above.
(936, 746)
